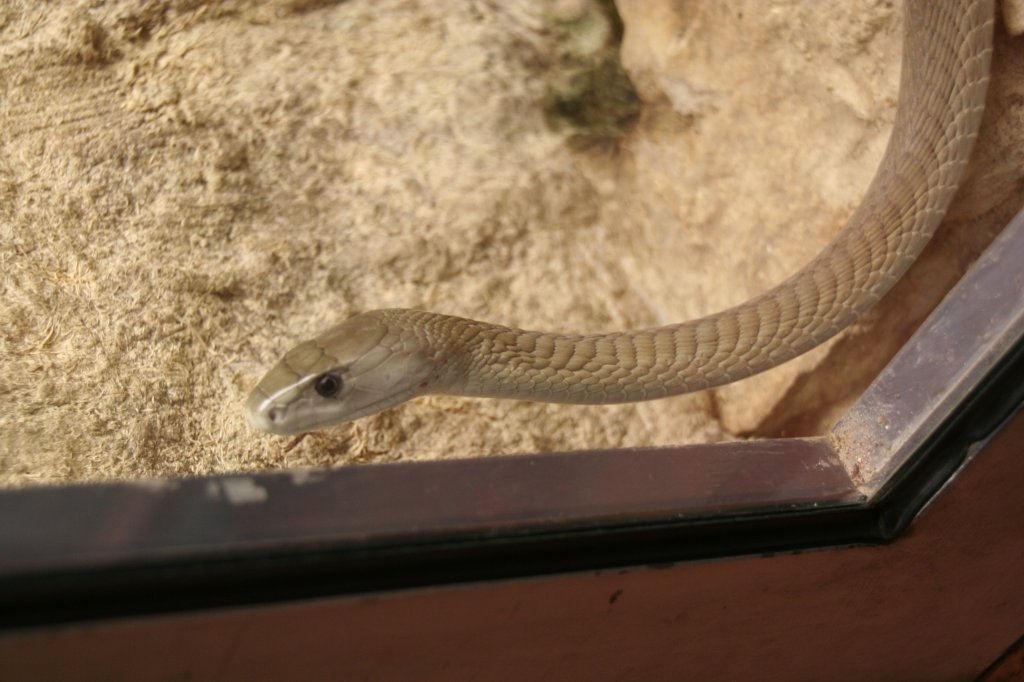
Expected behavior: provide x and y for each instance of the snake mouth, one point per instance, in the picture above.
(294, 418)
(376, 406)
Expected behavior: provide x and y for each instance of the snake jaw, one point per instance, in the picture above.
(305, 413)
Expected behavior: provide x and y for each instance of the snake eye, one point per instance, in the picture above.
(327, 384)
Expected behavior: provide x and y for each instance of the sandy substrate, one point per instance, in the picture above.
(188, 188)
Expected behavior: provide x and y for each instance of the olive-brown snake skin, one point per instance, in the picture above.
(384, 357)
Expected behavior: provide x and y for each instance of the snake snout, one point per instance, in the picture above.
(268, 417)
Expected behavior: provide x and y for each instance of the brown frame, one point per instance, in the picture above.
(84, 552)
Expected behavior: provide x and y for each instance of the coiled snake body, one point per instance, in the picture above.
(384, 357)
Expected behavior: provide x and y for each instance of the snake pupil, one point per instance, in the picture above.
(327, 384)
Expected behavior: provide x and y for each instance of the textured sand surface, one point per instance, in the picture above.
(188, 188)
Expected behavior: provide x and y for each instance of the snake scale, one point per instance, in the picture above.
(381, 358)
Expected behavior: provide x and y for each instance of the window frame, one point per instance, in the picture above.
(85, 552)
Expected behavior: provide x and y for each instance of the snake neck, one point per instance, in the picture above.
(478, 359)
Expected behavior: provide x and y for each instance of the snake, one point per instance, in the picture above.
(382, 358)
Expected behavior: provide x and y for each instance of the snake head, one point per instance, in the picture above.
(353, 370)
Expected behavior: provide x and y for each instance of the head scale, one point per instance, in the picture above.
(355, 369)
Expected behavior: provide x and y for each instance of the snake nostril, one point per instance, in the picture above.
(275, 414)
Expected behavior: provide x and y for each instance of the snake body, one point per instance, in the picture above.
(381, 358)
